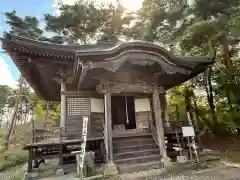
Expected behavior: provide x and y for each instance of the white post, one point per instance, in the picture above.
(63, 103)
(83, 146)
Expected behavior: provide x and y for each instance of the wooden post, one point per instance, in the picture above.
(159, 123)
(106, 139)
(60, 171)
(63, 103)
(30, 154)
(33, 130)
(108, 122)
(164, 106)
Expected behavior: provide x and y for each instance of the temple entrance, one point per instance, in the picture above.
(123, 113)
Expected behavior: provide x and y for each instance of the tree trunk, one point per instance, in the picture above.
(196, 112)
(229, 66)
(226, 55)
(209, 91)
(12, 122)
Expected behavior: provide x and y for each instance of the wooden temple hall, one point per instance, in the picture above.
(121, 88)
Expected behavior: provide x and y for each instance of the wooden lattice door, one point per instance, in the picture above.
(77, 107)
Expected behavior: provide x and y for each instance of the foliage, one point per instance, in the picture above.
(12, 158)
(39, 110)
(54, 113)
(209, 28)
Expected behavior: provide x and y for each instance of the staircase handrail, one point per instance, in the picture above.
(154, 133)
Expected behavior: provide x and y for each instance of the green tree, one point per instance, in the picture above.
(13, 118)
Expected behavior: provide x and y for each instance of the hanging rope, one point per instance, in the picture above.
(126, 108)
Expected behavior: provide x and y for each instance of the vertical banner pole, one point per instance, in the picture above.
(190, 149)
(83, 146)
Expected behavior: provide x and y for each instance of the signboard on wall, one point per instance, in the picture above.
(142, 105)
(188, 131)
(97, 105)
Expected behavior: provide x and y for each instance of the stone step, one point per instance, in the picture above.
(97, 123)
(99, 127)
(133, 154)
(131, 139)
(140, 167)
(139, 141)
(134, 148)
(129, 135)
(136, 160)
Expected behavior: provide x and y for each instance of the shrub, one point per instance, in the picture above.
(11, 159)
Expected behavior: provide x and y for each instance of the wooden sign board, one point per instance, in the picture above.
(188, 131)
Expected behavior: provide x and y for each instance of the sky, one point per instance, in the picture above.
(9, 74)
(8, 71)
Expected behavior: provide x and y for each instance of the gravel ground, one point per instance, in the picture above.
(220, 172)
(216, 171)
(13, 173)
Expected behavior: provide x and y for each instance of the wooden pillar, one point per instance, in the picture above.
(108, 123)
(163, 102)
(30, 158)
(63, 103)
(159, 123)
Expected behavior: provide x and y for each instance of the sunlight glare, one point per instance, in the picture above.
(132, 5)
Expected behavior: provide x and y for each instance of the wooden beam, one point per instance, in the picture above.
(37, 79)
(159, 122)
(163, 102)
(108, 122)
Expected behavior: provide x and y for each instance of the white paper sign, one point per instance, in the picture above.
(142, 105)
(188, 131)
(97, 105)
(83, 145)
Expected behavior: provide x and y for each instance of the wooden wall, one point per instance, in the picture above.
(79, 106)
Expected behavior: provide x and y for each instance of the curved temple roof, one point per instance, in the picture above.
(41, 63)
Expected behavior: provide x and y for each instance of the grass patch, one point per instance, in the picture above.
(232, 157)
(13, 157)
(1, 141)
(18, 176)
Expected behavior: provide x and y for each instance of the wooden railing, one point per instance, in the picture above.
(55, 134)
(154, 133)
(172, 126)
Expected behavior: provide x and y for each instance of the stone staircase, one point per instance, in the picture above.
(136, 153)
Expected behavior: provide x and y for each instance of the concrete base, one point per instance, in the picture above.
(30, 176)
(166, 162)
(182, 159)
(60, 172)
(110, 169)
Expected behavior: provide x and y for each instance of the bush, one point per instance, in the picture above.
(12, 159)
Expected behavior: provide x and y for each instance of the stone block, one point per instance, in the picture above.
(110, 170)
(167, 162)
(182, 159)
(30, 176)
(60, 172)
